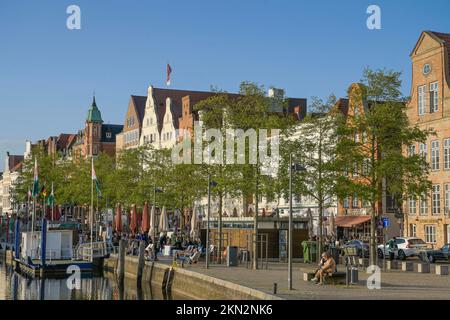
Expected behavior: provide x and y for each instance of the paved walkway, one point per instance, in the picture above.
(395, 284)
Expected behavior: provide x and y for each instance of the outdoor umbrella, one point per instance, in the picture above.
(145, 225)
(118, 218)
(177, 219)
(133, 222)
(193, 232)
(163, 221)
(152, 227)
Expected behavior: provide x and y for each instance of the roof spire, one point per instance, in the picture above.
(93, 100)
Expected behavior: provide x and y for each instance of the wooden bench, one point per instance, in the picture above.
(335, 278)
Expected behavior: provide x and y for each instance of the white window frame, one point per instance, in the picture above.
(411, 150)
(421, 98)
(447, 153)
(423, 150)
(435, 155)
(430, 233)
(355, 169)
(412, 205)
(355, 203)
(434, 103)
(447, 198)
(436, 199)
(346, 202)
(413, 230)
(424, 205)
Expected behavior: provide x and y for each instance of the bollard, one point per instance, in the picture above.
(392, 264)
(274, 288)
(407, 266)
(423, 268)
(441, 270)
(141, 261)
(121, 266)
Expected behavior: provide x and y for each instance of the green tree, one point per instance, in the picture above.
(313, 146)
(372, 141)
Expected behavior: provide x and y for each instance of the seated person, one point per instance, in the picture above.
(327, 268)
(186, 256)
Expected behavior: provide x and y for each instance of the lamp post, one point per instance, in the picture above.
(292, 167)
(155, 191)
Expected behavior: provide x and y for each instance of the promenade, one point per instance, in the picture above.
(395, 284)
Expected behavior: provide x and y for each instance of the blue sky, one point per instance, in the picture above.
(48, 73)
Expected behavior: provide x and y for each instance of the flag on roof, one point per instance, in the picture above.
(169, 71)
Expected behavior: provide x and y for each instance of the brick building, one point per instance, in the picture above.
(429, 107)
(132, 127)
(354, 213)
(96, 137)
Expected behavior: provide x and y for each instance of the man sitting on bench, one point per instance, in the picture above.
(327, 268)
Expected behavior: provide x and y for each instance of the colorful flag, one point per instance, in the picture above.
(94, 178)
(43, 191)
(169, 71)
(51, 198)
(36, 179)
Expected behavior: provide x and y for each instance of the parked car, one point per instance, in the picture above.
(404, 247)
(361, 247)
(438, 254)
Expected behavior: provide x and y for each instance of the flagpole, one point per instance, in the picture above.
(98, 222)
(28, 210)
(92, 208)
(53, 205)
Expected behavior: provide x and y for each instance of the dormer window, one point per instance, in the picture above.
(108, 135)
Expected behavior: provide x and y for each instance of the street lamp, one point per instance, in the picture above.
(155, 191)
(292, 167)
(210, 184)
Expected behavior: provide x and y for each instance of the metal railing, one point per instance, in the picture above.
(89, 251)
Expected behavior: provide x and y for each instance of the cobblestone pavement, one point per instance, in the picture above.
(395, 284)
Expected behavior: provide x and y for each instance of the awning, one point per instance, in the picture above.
(350, 221)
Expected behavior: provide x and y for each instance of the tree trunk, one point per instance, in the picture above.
(373, 242)
(320, 245)
(219, 229)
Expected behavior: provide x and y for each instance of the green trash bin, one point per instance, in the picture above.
(313, 250)
(306, 252)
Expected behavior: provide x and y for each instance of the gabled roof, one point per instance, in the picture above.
(139, 105)
(64, 140)
(444, 40)
(14, 161)
(17, 167)
(342, 106)
(160, 95)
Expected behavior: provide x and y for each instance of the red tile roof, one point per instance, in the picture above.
(139, 104)
(14, 160)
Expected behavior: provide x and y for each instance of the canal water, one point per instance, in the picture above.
(14, 286)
